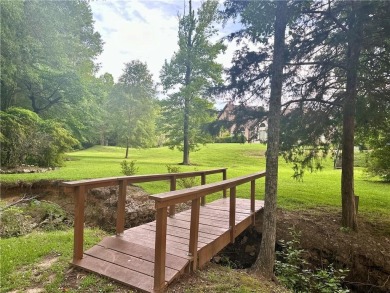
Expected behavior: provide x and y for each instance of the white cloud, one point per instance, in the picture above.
(144, 30)
(132, 30)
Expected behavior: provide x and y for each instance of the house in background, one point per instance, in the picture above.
(236, 123)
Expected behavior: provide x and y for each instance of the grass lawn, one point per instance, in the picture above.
(321, 188)
(23, 258)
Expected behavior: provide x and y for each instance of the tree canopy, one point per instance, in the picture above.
(47, 56)
(28, 139)
(133, 107)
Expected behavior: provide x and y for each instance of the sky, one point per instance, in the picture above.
(142, 29)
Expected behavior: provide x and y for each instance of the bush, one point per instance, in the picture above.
(379, 163)
(42, 215)
(293, 271)
(14, 222)
(129, 168)
(231, 139)
(28, 139)
(183, 182)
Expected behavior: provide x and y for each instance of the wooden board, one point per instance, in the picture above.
(180, 232)
(124, 260)
(123, 275)
(142, 252)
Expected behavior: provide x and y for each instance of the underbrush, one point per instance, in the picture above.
(294, 272)
(183, 182)
(32, 214)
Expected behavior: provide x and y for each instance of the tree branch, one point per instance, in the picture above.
(330, 15)
(311, 100)
(23, 199)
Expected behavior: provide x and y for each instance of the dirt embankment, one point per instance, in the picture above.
(366, 253)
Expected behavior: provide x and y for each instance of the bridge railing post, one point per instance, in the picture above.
(172, 209)
(194, 232)
(253, 197)
(203, 182)
(224, 178)
(78, 244)
(121, 210)
(160, 248)
(232, 214)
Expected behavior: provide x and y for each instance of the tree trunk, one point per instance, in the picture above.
(266, 258)
(347, 185)
(186, 144)
(127, 148)
(187, 99)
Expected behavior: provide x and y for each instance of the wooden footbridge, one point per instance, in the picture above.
(149, 257)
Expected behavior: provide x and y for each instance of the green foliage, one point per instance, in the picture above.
(186, 78)
(129, 168)
(293, 271)
(236, 138)
(201, 113)
(376, 135)
(183, 182)
(47, 54)
(14, 223)
(42, 215)
(28, 139)
(306, 158)
(133, 107)
(379, 163)
(47, 60)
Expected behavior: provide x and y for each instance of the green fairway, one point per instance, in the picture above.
(321, 188)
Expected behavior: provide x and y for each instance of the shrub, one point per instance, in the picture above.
(14, 222)
(379, 163)
(22, 219)
(183, 182)
(129, 168)
(237, 138)
(28, 139)
(293, 271)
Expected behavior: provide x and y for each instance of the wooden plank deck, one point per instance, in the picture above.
(129, 258)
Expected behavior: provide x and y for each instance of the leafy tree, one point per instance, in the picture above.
(192, 69)
(27, 139)
(102, 126)
(47, 59)
(326, 78)
(134, 106)
(338, 36)
(11, 16)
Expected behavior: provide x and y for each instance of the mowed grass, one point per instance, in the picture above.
(320, 188)
(22, 258)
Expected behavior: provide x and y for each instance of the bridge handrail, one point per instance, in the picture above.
(79, 189)
(109, 181)
(195, 194)
(180, 196)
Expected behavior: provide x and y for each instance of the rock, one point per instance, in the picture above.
(244, 240)
(250, 249)
(217, 259)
